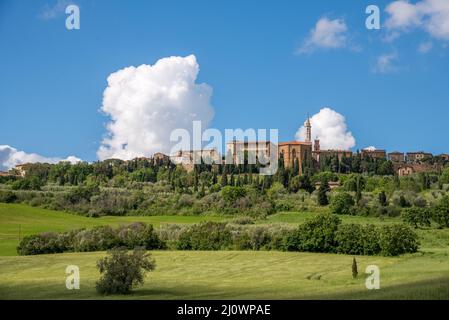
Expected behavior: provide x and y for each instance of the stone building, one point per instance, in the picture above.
(374, 153)
(189, 158)
(294, 150)
(319, 154)
(236, 150)
(408, 169)
(405, 170)
(21, 169)
(396, 157)
(417, 156)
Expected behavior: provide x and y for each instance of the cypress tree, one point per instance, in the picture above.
(355, 272)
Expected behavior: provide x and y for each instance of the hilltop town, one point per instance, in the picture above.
(291, 152)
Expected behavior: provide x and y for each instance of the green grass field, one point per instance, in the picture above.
(234, 275)
(18, 220)
(223, 274)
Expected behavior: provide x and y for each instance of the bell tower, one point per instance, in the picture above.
(308, 130)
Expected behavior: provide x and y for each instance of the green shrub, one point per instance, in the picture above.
(357, 239)
(315, 235)
(349, 239)
(253, 238)
(371, 240)
(43, 243)
(31, 183)
(342, 203)
(122, 271)
(205, 236)
(7, 196)
(440, 212)
(139, 234)
(417, 217)
(96, 239)
(397, 239)
(230, 194)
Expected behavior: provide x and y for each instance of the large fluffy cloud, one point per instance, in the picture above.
(330, 127)
(430, 15)
(146, 103)
(10, 157)
(327, 34)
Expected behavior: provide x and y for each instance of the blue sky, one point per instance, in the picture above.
(52, 79)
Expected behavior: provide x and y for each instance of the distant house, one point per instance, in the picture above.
(405, 171)
(396, 157)
(410, 168)
(444, 156)
(374, 153)
(191, 157)
(318, 154)
(417, 156)
(22, 169)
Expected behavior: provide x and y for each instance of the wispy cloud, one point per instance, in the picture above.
(385, 63)
(54, 11)
(425, 47)
(327, 34)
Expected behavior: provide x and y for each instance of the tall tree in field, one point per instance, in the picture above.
(355, 272)
(322, 192)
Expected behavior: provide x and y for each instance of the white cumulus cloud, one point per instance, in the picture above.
(431, 16)
(327, 34)
(10, 157)
(330, 127)
(146, 103)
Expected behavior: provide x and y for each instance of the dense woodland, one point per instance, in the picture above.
(151, 187)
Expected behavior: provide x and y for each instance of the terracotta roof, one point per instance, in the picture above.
(333, 150)
(244, 142)
(295, 143)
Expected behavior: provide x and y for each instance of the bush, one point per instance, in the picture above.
(342, 203)
(139, 234)
(357, 239)
(205, 236)
(417, 217)
(96, 239)
(7, 196)
(440, 212)
(316, 235)
(231, 194)
(371, 240)
(43, 243)
(32, 183)
(243, 220)
(397, 239)
(349, 239)
(122, 271)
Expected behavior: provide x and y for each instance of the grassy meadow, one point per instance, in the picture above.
(220, 274)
